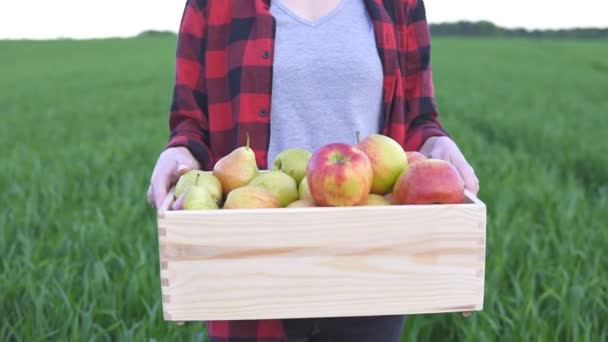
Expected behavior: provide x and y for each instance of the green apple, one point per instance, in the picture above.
(293, 162)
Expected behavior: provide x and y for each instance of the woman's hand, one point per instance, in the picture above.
(171, 164)
(444, 148)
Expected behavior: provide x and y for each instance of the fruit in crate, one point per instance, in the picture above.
(375, 199)
(429, 181)
(302, 204)
(304, 190)
(281, 185)
(250, 197)
(414, 156)
(205, 179)
(198, 198)
(339, 175)
(293, 162)
(388, 161)
(237, 168)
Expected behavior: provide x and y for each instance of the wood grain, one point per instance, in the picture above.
(322, 262)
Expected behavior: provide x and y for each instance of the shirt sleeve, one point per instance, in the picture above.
(421, 110)
(188, 119)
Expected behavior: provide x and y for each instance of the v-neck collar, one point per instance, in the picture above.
(323, 19)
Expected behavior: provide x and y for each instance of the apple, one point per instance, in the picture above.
(429, 181)
(339, 174)
(293, 162)
(388, 161)
(414, 156)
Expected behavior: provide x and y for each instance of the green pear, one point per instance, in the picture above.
(237, 168)
(375, 199)
(250, 197)
(302, 204)
(205, 179)
(304, 191)
(198, 198)
(293, 162)
(279, 184)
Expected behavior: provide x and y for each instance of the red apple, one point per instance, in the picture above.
(429, 181)
(339, 175)
(414, 156)
(389, 197)
(388, 161)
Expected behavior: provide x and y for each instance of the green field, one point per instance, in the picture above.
(84, 121)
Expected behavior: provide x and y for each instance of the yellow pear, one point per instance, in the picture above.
(293, 162)
(304, 191)
(250, 197)
(375, 199)
(206, 179)
(282, 186)
(236, 169)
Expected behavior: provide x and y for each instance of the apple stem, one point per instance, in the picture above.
(197, 177)
(358, 134)
(247, 135)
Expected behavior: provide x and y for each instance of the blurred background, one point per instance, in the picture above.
(85, 90)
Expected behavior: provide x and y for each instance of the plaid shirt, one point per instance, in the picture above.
(223, 91)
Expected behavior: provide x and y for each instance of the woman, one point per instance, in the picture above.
(297, 73)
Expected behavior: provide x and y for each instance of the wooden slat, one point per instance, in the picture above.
(322, 262)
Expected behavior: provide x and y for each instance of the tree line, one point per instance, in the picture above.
(489, 29)
(481, 29)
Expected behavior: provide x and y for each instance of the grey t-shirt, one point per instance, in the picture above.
(327, 78)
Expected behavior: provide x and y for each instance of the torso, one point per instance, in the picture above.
(323, 89)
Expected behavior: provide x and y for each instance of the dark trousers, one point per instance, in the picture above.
(345, 329)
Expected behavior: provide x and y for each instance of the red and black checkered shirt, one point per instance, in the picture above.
(223, 92)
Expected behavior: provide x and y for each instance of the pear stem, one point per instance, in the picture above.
(197, 177)
(247, 134)
(358, 134)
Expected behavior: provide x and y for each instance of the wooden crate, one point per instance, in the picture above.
(321, 262)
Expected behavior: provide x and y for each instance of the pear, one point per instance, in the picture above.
(304, 191)
(375, 199)
(279, 184)
(293, 162)
(205, 179)
(250, 197)
(302, 204)
(198, 198)
(237, 168)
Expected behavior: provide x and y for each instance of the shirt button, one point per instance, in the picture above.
(266, 54)
(263, 113)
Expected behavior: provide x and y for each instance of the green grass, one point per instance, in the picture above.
(83, 123)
